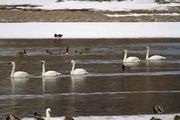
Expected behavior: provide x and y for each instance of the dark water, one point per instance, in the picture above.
(106, 90)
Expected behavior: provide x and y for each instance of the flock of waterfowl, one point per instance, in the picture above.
(47, 116)
(136, 59)
(37, 116)
(50, 73)
(80, 71)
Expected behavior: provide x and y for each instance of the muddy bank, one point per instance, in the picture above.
(13, 14)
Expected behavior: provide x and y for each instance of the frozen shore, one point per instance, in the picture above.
(91, 30)
(123, 117)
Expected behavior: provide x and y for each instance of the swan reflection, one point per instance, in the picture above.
(154, 63)
(18, 83)
(77, 81)
(78, 78)
(49, 81)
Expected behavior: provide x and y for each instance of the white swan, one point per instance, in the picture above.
(48, 116)
(49, 73)
(77, 71)
(154, 57)
(129, 59)
(17, 73)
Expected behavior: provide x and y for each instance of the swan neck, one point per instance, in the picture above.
(73, 66)
(13, 70)
(125, 56)
(47, 115)
(43, 69)
(147, 53)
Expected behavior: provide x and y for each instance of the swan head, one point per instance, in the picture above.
(147, 47)
(12, 63)
(48, 110)
(125, 51)
(72, 61)
(42, 61)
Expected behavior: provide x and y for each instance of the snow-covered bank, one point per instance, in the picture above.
(141, 14)
(123, 117)
(95, 5)
(91, 30)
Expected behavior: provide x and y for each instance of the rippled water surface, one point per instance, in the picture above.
(106, 91)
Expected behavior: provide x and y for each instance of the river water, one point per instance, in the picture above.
(107, 90)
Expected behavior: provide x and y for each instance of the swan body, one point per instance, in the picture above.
(129, 59)
(154, 57)
(49, 73)
(17, 73)
(77, 71)
(37, 116)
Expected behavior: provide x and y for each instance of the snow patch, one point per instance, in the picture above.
(141, 14)
(126, 5)
(123, 117)
(91, 30)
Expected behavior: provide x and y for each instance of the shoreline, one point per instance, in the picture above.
(147, 39)
(10, 16)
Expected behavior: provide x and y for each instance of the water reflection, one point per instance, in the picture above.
(130, 64)
(18, 83)
(78, 78)
(77, 81)
(154, 62)
(49, 82)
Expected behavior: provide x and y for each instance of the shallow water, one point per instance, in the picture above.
(106, 91)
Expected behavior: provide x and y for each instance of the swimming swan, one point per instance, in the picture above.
(17, 73)
(154, 57)
(78, 71)
(49, 73)
(129, 59)
(48, 116)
